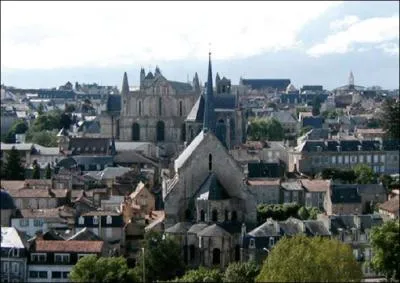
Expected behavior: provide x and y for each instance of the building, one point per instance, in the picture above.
(52, 260)
(13, 261)
(7, 209)
(390, 209)
(266, 85)
(343, 199)
(154, 113)
(267, 190)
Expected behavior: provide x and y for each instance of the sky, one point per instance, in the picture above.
(46, 44)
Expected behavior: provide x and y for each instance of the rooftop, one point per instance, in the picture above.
(69, 246)
(10, 238)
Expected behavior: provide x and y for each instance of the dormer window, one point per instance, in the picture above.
(94, 148)
(81, 220)
(359, 147)
(109, 219)
(339, 148)
(78, 149)
(86, 148)
(252, 243)
(102, 148)
(271, 242)
(95, 220)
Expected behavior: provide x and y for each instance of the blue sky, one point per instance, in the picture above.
(45, 44)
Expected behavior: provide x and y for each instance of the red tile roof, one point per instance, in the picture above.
(316, 185)
(391, 205)
(69, 246)
(264, 182)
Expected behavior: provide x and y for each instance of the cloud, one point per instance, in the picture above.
(73, 34)
(343, 23)
(370, 31)
(390, 48)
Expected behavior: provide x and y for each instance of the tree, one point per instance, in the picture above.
(18, 127)
(364, 174)
(13, 168)
(262, 129)
(385, 241)
(241, 272)
(316, 105)
(310, 259)
(36, 170)
(48, 171)
(65, 121)
(70, 108)
(162, 256)
(40, 109)
(390, 118)
(44, 138)
(103, 269)
(275, 130)
(303, 213)
(202, 274)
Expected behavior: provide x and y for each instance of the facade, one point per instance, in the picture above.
(52, 260)
(266, 190)
(390, 209)
(311, 157)
(342, 200)
(13, 261)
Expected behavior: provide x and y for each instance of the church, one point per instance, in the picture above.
(207, 203)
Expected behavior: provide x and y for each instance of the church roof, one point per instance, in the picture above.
(197, 228)
(179, 228)
(214, 230)
(184, 156)
(180, 87)
(212, 189)
(196, 114)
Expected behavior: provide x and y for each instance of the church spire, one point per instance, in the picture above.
(351, 79)
(125, 85)
(209, 123)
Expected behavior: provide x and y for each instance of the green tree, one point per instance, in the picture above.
(364, 174)
(44, 138)
(40, 109)
(390, 118)
(310, 259)
(201, 274)
(241, 272)
(385, 241)
(70, 108)
(48, 171)
(162, 257)
(36, 170)
(275, 130)
(303, 213)
(18, 127)
(13, 168)
(262, 129)
(103, 269)
(313, 213)
(65, 121)
(316, 105)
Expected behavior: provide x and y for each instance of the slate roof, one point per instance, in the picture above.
(315, 122)
(89, 145)
(214, 230)
(108, 173)
(346, 145)
(187, 152)
(345, 194)
(316, 228)
(315, 185)
(194, 229)
(69, 246)
(212, 189)
(346, 222)
(179, 228)
(290, 227)
(180, 87)
(283, 117)
(391, 144)
(371, 189)
(280, 84)
(267, 229)
(84, 235)
(65, 94)
(81, 160)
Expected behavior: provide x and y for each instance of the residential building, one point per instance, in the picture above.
(315, 191)
(342, 200)
(7, 209)
(390, 209)
(13, 263)
(266, 190)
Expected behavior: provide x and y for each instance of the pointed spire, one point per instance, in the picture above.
(209, 123)
(125, 85)
(196, 83)
(351, 79)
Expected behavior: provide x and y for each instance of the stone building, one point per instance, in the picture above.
(155, 112)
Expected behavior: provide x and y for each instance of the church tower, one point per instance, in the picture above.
(142, 76)
(209, 113)
(125, 86)
(196, 83)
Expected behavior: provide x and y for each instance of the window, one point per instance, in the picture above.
(346, 159)
(361, 158)
(65, 274)
(382, 158)
(160, 106)
(214, 215)
(202, 216)
(15, 252)
(42, 274)
(183, 132)
(210, 162)
(368, 158)
(376, 158)
(81, 220)
(271, 242)
(226, 215)
(353, 159)
(86, 148)
(109, 219)
(333, 159)
(61, 258)
(192, 252)
(339, 159)
(180, 109)
(5, 266)
(37, 222)
(234, 216)
(56, 274)
(140, 108)
(23, 222)
(382, 169)
(160, 131)
(36, 257)
(252, 243)
(135, 132)
(33, 274)
(216, 256)
(95, 220)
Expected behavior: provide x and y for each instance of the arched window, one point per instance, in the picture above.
(210, 162)
(160, 106)
(183, 132)
(216, 256)
(180, 109)
(234, 216)
(160, 131)
(214, 215)
(140, 108)
(226, 215)
(202, 216)
(135, 132)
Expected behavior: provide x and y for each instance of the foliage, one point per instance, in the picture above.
(310, 259)
(40, 109)
(2, 169)
(346, 176)
(332, 114)
(364, 174)
(202, 274)
(13, 168)
(241, 272)
(162, 257)
(313, 213)
(36, 170)
(65, 120)
(18, 127)
(303, 213)
(305, 129)
(316, 105)
(44, 138)
(385, 241)
(70, 108)
(48, 171)
(262, 129)
(47, 121)
(103, 269)
(272, 105)
(391, 118)
(282, 212)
